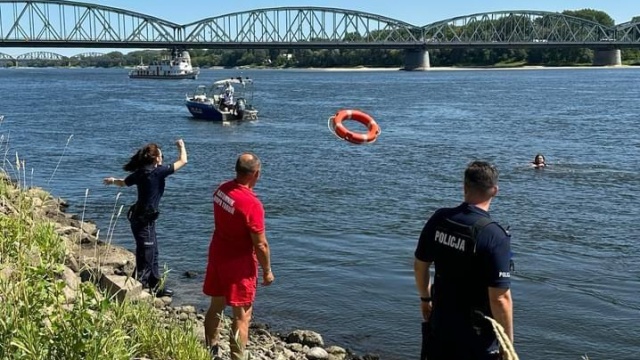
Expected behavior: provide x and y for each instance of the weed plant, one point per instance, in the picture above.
(36, 321)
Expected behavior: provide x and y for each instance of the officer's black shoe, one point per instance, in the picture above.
(214, 351)
(163, 292)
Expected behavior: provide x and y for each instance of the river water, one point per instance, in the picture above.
(343, 220)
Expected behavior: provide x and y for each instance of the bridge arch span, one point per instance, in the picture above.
(41, 55)
(4, 56)
(300, 24)
(629, 31)
(87, 55)
(516, 26)
(91, 23)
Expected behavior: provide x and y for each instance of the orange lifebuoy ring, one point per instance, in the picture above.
(373, 130)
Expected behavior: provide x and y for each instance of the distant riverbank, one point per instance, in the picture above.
(367, 68)
(432, 68)
(461, 68)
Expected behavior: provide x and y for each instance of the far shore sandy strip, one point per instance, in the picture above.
(450, 68)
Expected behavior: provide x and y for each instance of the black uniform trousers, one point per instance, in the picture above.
(436, 347)
(147, 270)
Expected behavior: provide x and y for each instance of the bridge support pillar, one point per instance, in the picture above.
(607, 57)
(416, 60)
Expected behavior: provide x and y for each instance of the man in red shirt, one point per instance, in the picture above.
(237, 246)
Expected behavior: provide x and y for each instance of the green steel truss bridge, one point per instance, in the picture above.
(66, 24)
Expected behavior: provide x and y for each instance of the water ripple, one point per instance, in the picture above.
(343, 220)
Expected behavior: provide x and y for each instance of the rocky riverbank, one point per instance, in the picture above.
(88, 258)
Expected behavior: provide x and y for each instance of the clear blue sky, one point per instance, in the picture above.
(416, 12)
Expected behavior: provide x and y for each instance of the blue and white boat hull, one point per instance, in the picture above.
(201, 110)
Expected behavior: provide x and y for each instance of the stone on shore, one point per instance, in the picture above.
(317, 353)
(305, 337)
(120, 287)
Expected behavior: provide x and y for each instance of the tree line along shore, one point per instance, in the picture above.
(498, 58)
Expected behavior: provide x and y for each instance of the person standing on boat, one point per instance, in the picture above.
(472, 256)
(148, 174)
(237, 246)
(228, 87)
(228, 100)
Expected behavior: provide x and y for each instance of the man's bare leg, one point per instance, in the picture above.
(212, 320)
(240, 331)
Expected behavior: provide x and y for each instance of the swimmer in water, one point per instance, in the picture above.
(538, 162)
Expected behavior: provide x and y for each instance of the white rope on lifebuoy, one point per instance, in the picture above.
(331, 128)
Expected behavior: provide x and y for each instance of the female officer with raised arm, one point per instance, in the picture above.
(148, 174)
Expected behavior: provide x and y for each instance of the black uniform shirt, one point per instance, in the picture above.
(464, 269)
(150, 182)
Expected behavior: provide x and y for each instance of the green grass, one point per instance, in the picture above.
(36, 322)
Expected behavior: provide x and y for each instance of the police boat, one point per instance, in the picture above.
(225, 100)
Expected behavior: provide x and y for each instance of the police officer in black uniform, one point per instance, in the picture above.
(471, 254)
(148, 174)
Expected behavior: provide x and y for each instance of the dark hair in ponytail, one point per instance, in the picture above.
(143, 157)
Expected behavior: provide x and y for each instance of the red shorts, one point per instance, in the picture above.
(236, 280)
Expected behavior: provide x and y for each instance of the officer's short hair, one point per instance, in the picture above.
(480, 177)
(247, 163)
